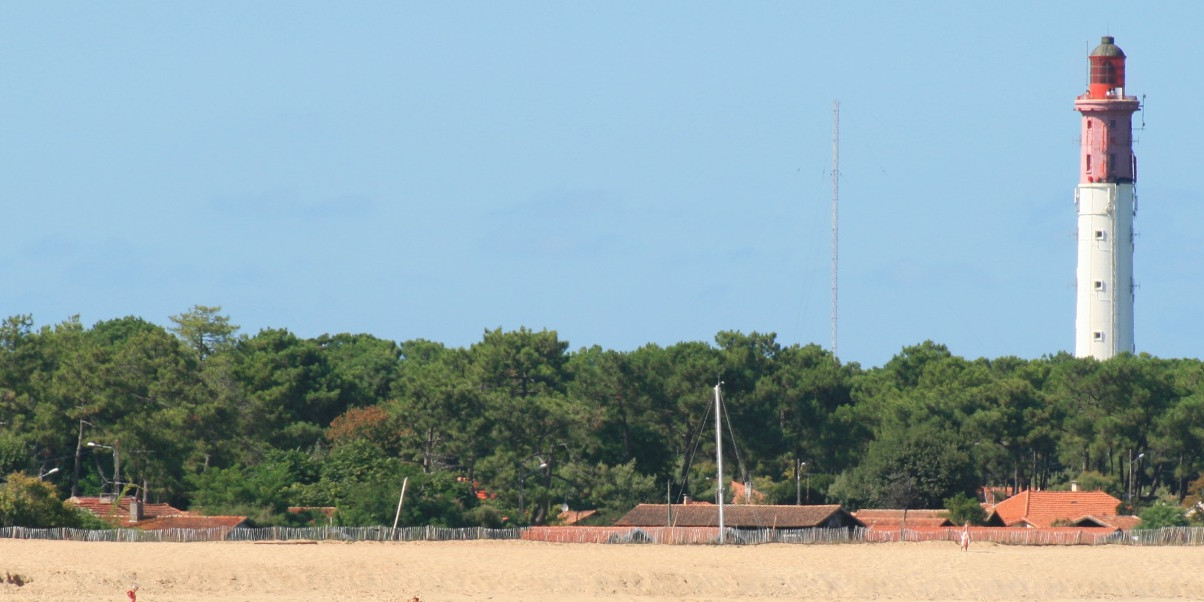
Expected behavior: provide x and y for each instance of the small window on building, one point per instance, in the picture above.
(1088, 163)
(1099, 285)
(1088, 124)
(1097, 336)
(1101, 235)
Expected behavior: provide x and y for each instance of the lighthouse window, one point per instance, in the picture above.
(1088, 162)
(1100, 235)
(1102, 72)
(1097, 336)
(1099, 285)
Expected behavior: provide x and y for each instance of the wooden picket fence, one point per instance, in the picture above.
(1054, 536)
(1062, 536)
(329, 533)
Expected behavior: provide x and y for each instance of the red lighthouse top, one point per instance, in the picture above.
(1107, 134)
(1107, 70)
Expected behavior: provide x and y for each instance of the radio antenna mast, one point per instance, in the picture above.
(835, 213)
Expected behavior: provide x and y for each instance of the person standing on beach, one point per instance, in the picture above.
(132, 593)
(966, 537)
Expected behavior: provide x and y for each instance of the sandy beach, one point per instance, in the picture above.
(510, 570)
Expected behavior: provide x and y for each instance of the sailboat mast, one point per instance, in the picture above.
(719, 461)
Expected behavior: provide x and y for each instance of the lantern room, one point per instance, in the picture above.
(1107, 139)
(1107, 78)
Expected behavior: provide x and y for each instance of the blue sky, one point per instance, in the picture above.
(623, 173)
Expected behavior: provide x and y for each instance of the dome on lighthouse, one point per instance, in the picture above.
(1107, 47)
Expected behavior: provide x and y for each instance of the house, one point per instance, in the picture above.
(743, 516)
(897, 519)
(745, 493)
(1043, 509)
(131, 513)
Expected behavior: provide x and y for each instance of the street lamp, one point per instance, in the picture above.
(116, 449)
(79, 448)
(1129, 495)
(43, 475)
(522, 485)
(798, 483)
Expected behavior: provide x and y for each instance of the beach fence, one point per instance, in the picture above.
(1054, 536)
(352, 534)
(328, 533)
(1166, 536)
(1058, 536)
(686, 535)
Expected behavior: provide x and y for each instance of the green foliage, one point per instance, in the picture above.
(269, 487)
(15, 453)
(779, 492)
(441, 417)
(360, 461)
(1095, 481)
(288, 390)
(364, 367)
(617, 489)
(430, 499)
(440, 499)
(1162, 514)
(909, 468)
(964, 508)
(27, 501)
(204, 330)
(251, 425)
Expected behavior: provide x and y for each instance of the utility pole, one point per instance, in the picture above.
(79, 450)
(117, 468)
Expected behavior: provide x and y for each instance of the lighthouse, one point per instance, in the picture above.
(1106, 200)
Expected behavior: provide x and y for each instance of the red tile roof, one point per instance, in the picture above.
(1044, 508)
(744, 515)
(1123, 522)
(117, 511)
(873, 517)
(154, 516)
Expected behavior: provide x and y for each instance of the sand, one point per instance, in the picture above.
(513, 570)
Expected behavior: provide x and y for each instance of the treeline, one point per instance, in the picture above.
(517, 426)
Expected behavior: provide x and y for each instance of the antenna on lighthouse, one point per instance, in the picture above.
(835, 213)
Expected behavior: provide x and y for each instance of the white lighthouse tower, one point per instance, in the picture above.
(1106, 202)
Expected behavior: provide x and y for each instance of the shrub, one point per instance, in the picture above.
(1162, 514)
(964, 508)
(27, 501)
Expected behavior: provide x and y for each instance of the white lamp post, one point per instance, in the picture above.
(1129, 496)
